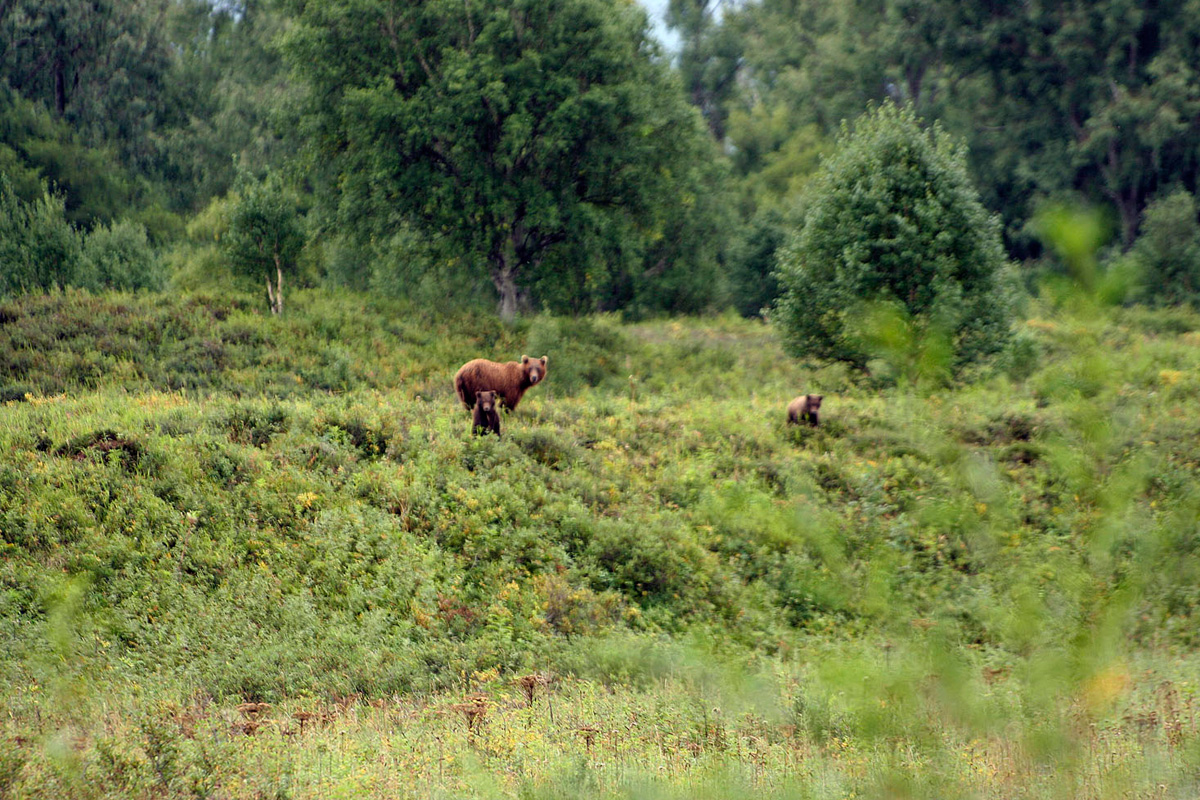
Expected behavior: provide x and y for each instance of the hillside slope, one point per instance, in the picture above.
(212, 499)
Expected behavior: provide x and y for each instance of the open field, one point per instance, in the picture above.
(985, 590)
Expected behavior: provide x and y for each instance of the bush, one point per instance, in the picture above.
(1168, 251)
(892, 217)
(38, 247)
(582, 352)
(120, 256)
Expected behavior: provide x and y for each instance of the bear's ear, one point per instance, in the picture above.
(544, 360)
(477, 394)
(524, 359)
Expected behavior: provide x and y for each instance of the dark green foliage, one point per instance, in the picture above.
(37, 149)
(892, 218)
(752, 260)
(118, 256)
(39, 249)
(99, 65)
(1093, 99)
(708, 59)
(265, 234)
(539, 139)
(1168, 251)
(233, 86)
(1075, 110)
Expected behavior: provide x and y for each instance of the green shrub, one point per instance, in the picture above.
(119, 256)
(583, 353)
(39, 249)
(1168, 251)
(893, 218)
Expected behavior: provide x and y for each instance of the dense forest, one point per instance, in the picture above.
(250, 546)
(554, 156)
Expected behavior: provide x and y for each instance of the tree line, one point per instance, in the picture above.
(550, 154)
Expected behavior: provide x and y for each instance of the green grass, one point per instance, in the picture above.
(963, 591)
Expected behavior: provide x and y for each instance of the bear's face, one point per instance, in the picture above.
(535, 368)
(486, 400)
(813, 401)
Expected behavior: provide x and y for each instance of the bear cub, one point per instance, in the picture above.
(508, 380)
(804, 408)
(485, 420)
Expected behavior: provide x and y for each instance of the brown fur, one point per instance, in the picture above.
(485, 419)
(509, 380)
(804, 408)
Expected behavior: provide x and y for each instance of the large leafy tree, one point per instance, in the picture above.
(542, 139)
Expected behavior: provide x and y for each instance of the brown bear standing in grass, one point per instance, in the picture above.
(485, 419)
(509, 380)
(804, 408)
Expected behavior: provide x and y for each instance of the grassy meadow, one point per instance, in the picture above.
(245, 556)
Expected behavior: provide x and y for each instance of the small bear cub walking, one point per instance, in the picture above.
(485, 419)
(804, 408)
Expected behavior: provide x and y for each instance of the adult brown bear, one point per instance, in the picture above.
(509, 380)
(804, 408)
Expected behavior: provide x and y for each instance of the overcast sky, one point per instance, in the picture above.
(657, 9)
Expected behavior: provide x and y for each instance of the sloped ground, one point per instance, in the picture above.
(202, 506)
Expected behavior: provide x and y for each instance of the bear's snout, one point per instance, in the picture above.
(534, 377)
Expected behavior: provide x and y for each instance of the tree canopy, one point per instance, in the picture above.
(554, 154)
(539, 137)
(892, 217)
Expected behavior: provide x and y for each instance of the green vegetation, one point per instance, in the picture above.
(892, 219)
(253, 554)
(544, 156)
(204, 505)
(41, 250)
(1167, 256)
(539, 140)
(264, 237)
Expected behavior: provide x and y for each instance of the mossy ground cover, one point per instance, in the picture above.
(941, 591)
